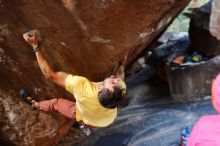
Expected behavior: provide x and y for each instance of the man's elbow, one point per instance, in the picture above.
(49, 75)
(57, 78)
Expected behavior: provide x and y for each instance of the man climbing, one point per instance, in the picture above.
(96, 103)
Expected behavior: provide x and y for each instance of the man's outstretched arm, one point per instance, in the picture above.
(57, 77)
(120, 71)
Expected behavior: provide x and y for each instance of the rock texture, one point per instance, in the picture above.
(81, 37)
(199, 30)
(193, 83)
(215, 19)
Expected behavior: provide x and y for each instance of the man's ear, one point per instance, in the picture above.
(100, 88)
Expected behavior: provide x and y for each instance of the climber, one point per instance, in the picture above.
(96, 102)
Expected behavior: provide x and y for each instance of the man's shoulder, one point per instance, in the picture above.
(76, 77)
(78, 84)
(75, 80)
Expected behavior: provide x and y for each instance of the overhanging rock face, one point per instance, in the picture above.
(81, 37)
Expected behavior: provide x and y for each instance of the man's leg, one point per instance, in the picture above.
(63, 106)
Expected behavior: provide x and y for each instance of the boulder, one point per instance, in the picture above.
(215, 19)
(199, 32)
(193, 83)
(79, 37)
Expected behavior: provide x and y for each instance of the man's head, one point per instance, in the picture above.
(112, 92)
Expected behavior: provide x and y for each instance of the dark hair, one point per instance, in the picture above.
(110, 99)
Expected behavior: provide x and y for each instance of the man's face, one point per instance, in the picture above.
(111, 82)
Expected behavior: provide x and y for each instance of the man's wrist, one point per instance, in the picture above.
(36, 49)
(35, 45)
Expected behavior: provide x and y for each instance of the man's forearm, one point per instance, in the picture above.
(120, 72)
(57, 77)
(44, 65)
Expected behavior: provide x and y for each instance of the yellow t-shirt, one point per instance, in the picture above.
(88, 108)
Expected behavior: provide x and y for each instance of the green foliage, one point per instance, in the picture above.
(181, 23)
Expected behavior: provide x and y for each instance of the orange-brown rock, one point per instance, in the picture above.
(81, 37)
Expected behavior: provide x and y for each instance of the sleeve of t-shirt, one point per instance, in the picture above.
(75, 84)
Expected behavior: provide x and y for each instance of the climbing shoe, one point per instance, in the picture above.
(25, 95)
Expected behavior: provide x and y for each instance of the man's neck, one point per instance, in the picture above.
(99, 85)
